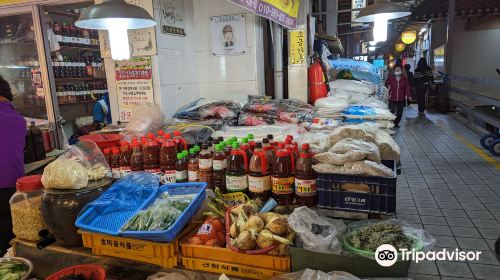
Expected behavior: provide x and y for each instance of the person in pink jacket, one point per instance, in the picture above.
(399, 90)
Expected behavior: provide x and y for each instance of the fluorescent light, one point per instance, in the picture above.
(372, 48)
(118, 40)
(380, 28)
(422, 31)
(373, 43)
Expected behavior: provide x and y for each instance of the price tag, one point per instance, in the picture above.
(235, 198)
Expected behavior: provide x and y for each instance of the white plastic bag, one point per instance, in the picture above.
(342, 85)
(315, 232)
(350, 131)
(340, 159)
(146, 117)
(349, 144)
(65, 174)
(329, 168)
(369, 168)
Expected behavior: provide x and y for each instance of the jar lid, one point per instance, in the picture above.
(29, 183)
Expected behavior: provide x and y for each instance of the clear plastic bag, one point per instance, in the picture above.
(342, 85)
(350, 131)
(349, 144)
(220, 110)
(309, 274)
(330, 168)
(316, 233)
(369, 168)
(340, 159)
(368, 113)
(318, 141)
(145, 117)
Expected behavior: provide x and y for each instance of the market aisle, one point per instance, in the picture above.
(452, 191)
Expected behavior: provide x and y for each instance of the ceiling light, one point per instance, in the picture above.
(372, 49)
(373, 43)
(422, 31)
(117, 16)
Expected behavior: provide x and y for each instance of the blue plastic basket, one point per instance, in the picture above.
(173, 231)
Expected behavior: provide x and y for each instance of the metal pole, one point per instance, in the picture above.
(278, 60)
(336, 12)
(449, 36)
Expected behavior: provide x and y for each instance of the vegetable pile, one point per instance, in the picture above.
(161, 214)
(211, 233)
(251, 230)
(13, 270)
(73, 276)
(371, 237)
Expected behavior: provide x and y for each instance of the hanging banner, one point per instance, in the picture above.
(283, 12)
(228, 35)
(297, 47)
(172, 21)
(134, 84)
(357, 4)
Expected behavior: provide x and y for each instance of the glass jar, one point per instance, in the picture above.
(25, 208)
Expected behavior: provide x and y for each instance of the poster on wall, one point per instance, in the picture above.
(142, 41)
(283, 12)
(228, 35)
(134, 84)
(172, 17)
(297, 50)
(357, 4)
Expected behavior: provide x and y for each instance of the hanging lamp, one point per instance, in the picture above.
(117, 17)
(380, 12)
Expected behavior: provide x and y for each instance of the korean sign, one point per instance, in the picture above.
(357, 4)
(134, 84)
(297, 47)
(283, 12)
(172, 17)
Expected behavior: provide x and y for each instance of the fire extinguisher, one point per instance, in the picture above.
(317, 81)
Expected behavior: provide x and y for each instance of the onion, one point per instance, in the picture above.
(263, 241)
(245, 241)
(277, 225)
(254, 224)
(234, 231)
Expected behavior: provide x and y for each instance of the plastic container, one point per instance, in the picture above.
(103, 140)
(163, 254)
(25, 207)
(377, 195)
(90, 271)
(60, 209)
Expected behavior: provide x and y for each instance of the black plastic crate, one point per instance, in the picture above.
(379, 198)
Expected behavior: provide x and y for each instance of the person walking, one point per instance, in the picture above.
(12, 138)
(399, 91)
(422, 80)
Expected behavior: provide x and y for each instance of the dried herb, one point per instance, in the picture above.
(371, 237)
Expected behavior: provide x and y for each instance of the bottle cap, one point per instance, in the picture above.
(151, 136)
(124, 144)
(270, 137)
(220, 138)
(167, 136)
(180, 155)
(234, 139)
(258, 145)
(177, 133)
(305, 146)
(265, 141)
(115, 151)
(210, 139)
(250, 136)
(204, 146)
(218, 147)
(236, 145)
(288, 141)
(185, 152)
(192, 151)
(161, 132)
(244, 140)
(29, 183)
(107, 151)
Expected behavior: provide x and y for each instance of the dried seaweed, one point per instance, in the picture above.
(371, 237)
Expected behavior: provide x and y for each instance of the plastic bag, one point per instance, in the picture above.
(367, 235)
(318, 141)
(368, 112)
(260, 104)
(220, 110)
(65, 174)
(389, 149)
(309, 274)
(330, 168)
(332, 103)
(324, 123)
(342, 85)
(315, 232)
(255, 119)
(340, 159)
(350, 131)
(145, 117)
(371, 150)
(369, 168)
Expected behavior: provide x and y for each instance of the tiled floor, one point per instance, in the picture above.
(451, 191)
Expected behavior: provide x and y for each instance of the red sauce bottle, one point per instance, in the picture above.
(259, 175)
(270, 152)
(107, 155)
(161, 137)
(193, 170)
(236, 171)
(305, 178)
(282, 177)
(251, 141)
(136, 163)
(115, 163)
(180, 143)
(291, 149)
(219, 168)
(151, 155)
(246, 147)
(181, 169)
(228, 147)
(205, 164)
(168, 157)
(124, 159)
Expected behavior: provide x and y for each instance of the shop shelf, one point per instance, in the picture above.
(378, 196)
(66, 80)
(64, 14)
(224, 260)
(163, 254)
(358, 266)
(95, 48)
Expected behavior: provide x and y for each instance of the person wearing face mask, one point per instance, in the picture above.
(423, 79)
(399, 91)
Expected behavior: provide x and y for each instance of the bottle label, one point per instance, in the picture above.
(86, 41)
(74, 40)
(236, 183)
(168, 177)
(193, 175)
(259, 184)
(115, 173)
(59, 38)
(305, 187)
(66, 39)
(282, 185)
(80, 40)
(181, 175)
(124, 171)
(219, 164)
(205, 163)
(152, 170)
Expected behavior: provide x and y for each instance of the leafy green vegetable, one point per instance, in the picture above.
(371, 237)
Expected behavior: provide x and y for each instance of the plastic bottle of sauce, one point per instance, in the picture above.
(144, 141)
(107, 155)
(246, 147)
(197, 150)
(219, 168)
(124, 160)
(270, 152)
(161, 136)
(282, 177)
(205, 164)
(180, 142)
(305, 178)
(115, 163)
(251, 141)
(228, 148)
(236, 171)
(136, 163)
(37, 138)
(259, 175)
(192, 166)
(168, 157)
(151, 155)
(221, 139)
(181, 169)
(291, 150)
(295, 145)
(271, 140)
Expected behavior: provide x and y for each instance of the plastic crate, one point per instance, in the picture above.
(110, 221)
(173, 231)
(379, 198)
(224, 260)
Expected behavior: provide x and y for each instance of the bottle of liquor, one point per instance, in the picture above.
(65, 34)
